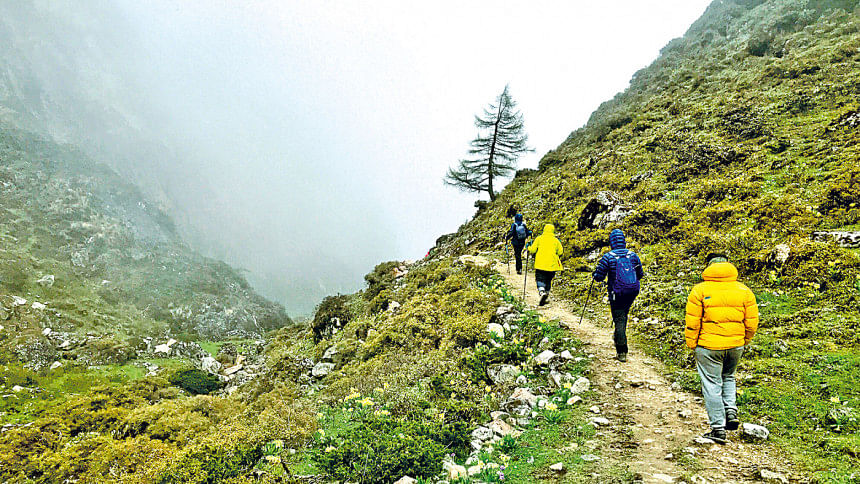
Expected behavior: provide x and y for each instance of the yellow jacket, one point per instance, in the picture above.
(721, 312)
(547, 250)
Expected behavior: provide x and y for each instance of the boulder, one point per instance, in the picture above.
(501, 373)
(454, 471)
(482, 433)
(545, 357)
(322, 369)
(210, 365)
(520, 403)
(566, 355)
(18, 301)
(779, 255)
(38, 306)
(500, 427)
(496, 329)
(46, 281)
(581, 385)
(772, 477)
(56, 365)
(605, 209)
(557, 467)
(754, 433)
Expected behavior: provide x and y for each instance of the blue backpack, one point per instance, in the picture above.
(520, 231)
(626, 281)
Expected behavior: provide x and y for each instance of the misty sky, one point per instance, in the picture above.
(311, 137)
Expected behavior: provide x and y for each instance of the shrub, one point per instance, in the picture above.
(332, 313)
(383, 450)
(195, 382)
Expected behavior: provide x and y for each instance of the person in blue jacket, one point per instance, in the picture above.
(518, 235)
(622, 270)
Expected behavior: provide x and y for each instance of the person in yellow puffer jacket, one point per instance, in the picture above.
(722, 318)
(547, 250)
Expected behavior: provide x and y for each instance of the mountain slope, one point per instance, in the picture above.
(741, 138)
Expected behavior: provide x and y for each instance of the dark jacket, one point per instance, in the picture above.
(606, 267)
(512, 233)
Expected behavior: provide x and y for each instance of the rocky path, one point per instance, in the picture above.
(654, 421)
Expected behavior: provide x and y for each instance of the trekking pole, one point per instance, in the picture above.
(525, 275)
(507, 258)
(587, 297)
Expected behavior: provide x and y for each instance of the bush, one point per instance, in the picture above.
(332, 313)
(195, 382)
(383, 450)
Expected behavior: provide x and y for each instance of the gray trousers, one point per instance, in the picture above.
(717, 372)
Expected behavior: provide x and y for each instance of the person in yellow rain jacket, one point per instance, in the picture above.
(722, 318)
(547, 251)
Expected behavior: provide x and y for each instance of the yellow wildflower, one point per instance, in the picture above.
(272, 459)
(551, 407)
(568, 385)
(330, 448)
(279, 444)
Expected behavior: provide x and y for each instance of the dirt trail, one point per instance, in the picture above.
(645, 410)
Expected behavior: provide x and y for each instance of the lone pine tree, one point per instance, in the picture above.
(501, 140)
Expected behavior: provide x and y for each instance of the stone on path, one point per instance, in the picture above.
(581, 385)
(663, 478)
(753, 432)
(599, 421)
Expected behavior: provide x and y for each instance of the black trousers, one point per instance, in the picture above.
(518, 256)
(619, 305)
(544, 279)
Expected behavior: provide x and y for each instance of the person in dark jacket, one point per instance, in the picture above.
(622, 270)
(518, 235)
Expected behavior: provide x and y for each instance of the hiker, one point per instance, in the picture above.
(622, 270)
(722, 318)
(547, 251)
(518, 235)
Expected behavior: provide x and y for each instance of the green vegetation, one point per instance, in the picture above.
(195, 382)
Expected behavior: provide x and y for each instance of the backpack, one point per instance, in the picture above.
(520, 232)
(625, 281)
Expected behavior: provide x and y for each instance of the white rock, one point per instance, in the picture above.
(522, 380)
(171, 342)
(496, 329)
(475, 260)
(685, 413)
(703, 441)
(566, 355)
(405, 480)
(393, 306)
(454, 471)
(544, 357)
(18, 301)
(330, 353)
(663, 478)
(599, 421)
(574, 400)
(501, 374)
(500, 427)
(557, 467)
(38, 306)
(18, 389)
(482, 433)
(210, 365)
(56, 365)
(589, 457)
(46, 281)
(322, 369)
(474, 470)
(581, 385)
(594, 409)
(46, 332)
(162, 348)
(772, 477)
(754, 432)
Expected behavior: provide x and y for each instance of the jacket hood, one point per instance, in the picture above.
(617, 240)
(549, 229)
(721, 272)
(518, 218)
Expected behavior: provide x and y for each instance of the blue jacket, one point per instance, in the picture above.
(512, 233)
(606, 267)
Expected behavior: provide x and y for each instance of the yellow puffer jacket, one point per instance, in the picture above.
(721, 312)
(547, 250)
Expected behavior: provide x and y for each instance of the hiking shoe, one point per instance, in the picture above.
(732, 422)
(543, 297)
(520, 272)
(622, 357)
(716, 435)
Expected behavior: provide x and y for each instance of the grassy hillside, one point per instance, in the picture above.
(743, 137)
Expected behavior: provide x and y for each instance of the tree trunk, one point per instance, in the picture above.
(493, 153)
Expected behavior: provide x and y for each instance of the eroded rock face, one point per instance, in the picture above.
(605, 209)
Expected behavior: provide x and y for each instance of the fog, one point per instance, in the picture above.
(306, 141)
